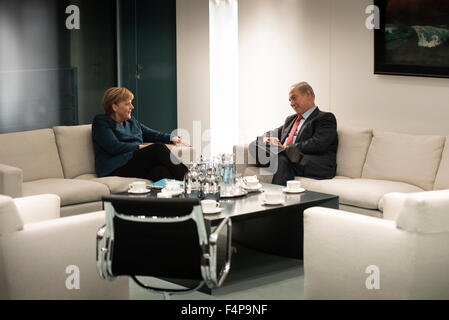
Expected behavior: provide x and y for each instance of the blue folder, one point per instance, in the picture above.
(161, 184)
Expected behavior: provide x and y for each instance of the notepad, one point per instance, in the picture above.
(161, 184)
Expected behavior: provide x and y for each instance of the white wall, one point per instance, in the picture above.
(193, 70)
(281, 42)
(358, 97)
(326, 43)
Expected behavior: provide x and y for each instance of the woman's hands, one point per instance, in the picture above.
(177, 140)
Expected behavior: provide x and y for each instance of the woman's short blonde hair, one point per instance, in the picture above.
(115, 95)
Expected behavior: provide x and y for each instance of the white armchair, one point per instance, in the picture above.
(43, 256)
(352, 256)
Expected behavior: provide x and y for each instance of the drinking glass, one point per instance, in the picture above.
(211, 185)
(192, 181)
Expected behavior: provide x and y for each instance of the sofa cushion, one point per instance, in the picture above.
(115, 184)
(365, 193)
(266, 177)
(33, 151)
(75, 149)
(306, 182)
(70, 191)
(81, 208)
(406, 158)
(442, 178)
(426, 212)
(10, 219)
(359, 210)
(87, 176)
(353, 144)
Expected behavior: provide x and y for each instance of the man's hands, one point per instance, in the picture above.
(273, 141)
(177, 140)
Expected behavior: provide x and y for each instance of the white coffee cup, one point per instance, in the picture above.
(137, 186)
(293, 185)
(251, 181)
(273, 196)
(163, 195)
(209, 205)
(172, 185)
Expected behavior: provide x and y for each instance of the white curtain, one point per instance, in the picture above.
(223, 22)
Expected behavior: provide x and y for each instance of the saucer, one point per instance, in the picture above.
(216, 210)
(256, 188)
(139, 192)
(173, 193)
(264, 202)
(296, 191)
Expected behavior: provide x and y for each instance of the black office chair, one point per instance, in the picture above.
(162, 238)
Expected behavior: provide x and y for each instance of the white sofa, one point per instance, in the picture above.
(59, 161)
(43, 256)
(370, 164)
(408, 249)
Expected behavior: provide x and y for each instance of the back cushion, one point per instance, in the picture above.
(442, 179)
(402, 157)
(33, 151)
(75, 149)
(353, 144)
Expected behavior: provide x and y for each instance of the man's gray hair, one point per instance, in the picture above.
(303, 87)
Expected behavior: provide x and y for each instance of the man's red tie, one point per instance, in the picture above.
(292, 132)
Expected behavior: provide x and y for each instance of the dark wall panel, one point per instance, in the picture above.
(148, 51)
(50, 75)
(93, 53)
(34, 67)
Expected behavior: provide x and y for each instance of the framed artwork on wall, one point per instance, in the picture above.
(413, 38)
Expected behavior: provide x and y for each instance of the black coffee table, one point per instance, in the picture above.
(272, 229)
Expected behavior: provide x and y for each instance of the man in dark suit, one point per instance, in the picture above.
(305, 145)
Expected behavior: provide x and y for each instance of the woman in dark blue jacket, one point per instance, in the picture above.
(118, 141)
